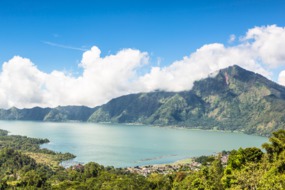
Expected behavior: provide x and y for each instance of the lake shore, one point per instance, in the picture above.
(188, 164)
(129, 146)
(184, 164)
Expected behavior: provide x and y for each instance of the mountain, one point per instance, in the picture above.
(232, 99)
(58, 114)
(69, 113)
(35, 114)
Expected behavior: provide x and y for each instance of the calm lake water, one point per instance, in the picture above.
(130, 145)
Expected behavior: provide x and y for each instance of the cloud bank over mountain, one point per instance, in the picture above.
(22, 84)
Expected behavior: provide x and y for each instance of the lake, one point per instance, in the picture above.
(123, 145)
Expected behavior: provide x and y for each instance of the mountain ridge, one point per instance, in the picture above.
(234, 99)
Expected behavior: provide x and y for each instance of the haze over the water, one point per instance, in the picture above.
(78, 53)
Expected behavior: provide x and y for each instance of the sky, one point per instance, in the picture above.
(83, 52)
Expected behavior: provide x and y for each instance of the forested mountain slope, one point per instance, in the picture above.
(232, 99)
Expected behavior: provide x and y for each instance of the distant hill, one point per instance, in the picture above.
(233, 99)
(58, 114)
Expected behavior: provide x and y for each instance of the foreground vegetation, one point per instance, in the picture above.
(23, 166)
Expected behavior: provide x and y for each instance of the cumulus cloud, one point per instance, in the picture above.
(261, 49)
(181, 74)
(22, 84)
(108, 77)
(268, 44)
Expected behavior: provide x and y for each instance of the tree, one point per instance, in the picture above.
(276, 145)
(216, 173)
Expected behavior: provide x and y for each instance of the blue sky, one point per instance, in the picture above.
(54, 34)
(166, 29)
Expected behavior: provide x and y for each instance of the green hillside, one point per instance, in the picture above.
(58, 114)
(233, 99)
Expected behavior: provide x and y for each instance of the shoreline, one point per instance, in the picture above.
(187, 164)
(184, 164)
(140, 125)
(163, 162)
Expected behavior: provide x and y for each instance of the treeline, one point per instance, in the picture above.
(248, 168)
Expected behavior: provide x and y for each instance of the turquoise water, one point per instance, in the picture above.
(130, 145)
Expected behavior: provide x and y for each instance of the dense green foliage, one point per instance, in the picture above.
(247, 168)
(233, 99)
(21, 171)
(27, 145)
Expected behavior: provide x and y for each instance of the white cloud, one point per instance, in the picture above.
(108, 77)
(103, 78)
(268, 44)
(281, 78)
(20, 82)
(260, 49)
(232, 38)
(23, 85)
(181, 74)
